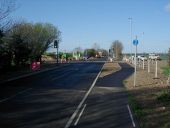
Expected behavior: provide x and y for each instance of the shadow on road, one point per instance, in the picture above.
(107, 103)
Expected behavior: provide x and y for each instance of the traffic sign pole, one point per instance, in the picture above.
(135, 42)
(135, 66)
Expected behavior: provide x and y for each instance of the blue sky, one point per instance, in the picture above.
(85, 22)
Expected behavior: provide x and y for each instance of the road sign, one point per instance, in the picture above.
(35, 65)
(135, 42)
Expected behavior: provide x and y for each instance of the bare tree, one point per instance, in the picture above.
(6, 7)
(117, 48)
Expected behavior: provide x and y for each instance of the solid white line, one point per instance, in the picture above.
(81, 103)
(15, 95)
(80, 115)
(131, 116)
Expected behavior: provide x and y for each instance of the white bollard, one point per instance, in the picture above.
(148, 65)
(156, 69)
(143, 64)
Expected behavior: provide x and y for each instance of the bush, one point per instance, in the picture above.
(164, 97)
(53, 54)
(166, 71)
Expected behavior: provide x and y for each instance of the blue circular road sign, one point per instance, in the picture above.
(135, 42)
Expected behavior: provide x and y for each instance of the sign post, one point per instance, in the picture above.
(135, 43)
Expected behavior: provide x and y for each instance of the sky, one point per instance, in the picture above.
(85, 22)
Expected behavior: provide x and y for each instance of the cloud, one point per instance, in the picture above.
(167, 7)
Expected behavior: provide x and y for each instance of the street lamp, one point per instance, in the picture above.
(130, 18)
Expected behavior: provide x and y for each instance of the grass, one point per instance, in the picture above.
(151, 104)
(139, 111)
(151, 109)
(164, 97)
(136, 107)
(166, 70)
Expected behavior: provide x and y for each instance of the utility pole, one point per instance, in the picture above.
(130, 18)
(116, 52)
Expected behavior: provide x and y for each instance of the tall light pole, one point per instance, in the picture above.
(130, 19)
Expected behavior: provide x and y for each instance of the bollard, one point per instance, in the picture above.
(143, 64)
(156, 69)
(148, 65)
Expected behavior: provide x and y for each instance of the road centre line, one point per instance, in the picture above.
(83, 100)
(80, 115)
(131, 116)
(15, 95)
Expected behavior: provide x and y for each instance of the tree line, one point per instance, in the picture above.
(23, 42)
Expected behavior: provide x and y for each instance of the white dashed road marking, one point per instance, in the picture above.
(80, 115)
(82, 102)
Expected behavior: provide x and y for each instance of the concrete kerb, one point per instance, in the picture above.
(30, 74)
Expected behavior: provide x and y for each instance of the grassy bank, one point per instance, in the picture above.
(150, 99)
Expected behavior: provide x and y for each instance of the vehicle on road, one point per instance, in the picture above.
(142, 57)
(154, 57)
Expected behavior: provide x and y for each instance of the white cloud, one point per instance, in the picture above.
(167, 7)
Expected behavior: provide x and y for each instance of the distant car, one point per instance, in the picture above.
(154, 57)
(131, 58)
(142, 57)
(85, 58)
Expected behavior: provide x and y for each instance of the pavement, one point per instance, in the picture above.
(66, 97)
(107, 105)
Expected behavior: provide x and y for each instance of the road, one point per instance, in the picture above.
(64, 98)
(47, 99)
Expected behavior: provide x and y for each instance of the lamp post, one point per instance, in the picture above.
(130, 19)
(56, 45)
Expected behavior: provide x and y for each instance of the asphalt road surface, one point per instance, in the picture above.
(65, 98)
(46, 100)
(107, 105)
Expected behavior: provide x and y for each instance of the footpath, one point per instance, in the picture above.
(25, 72)
(107, 105)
